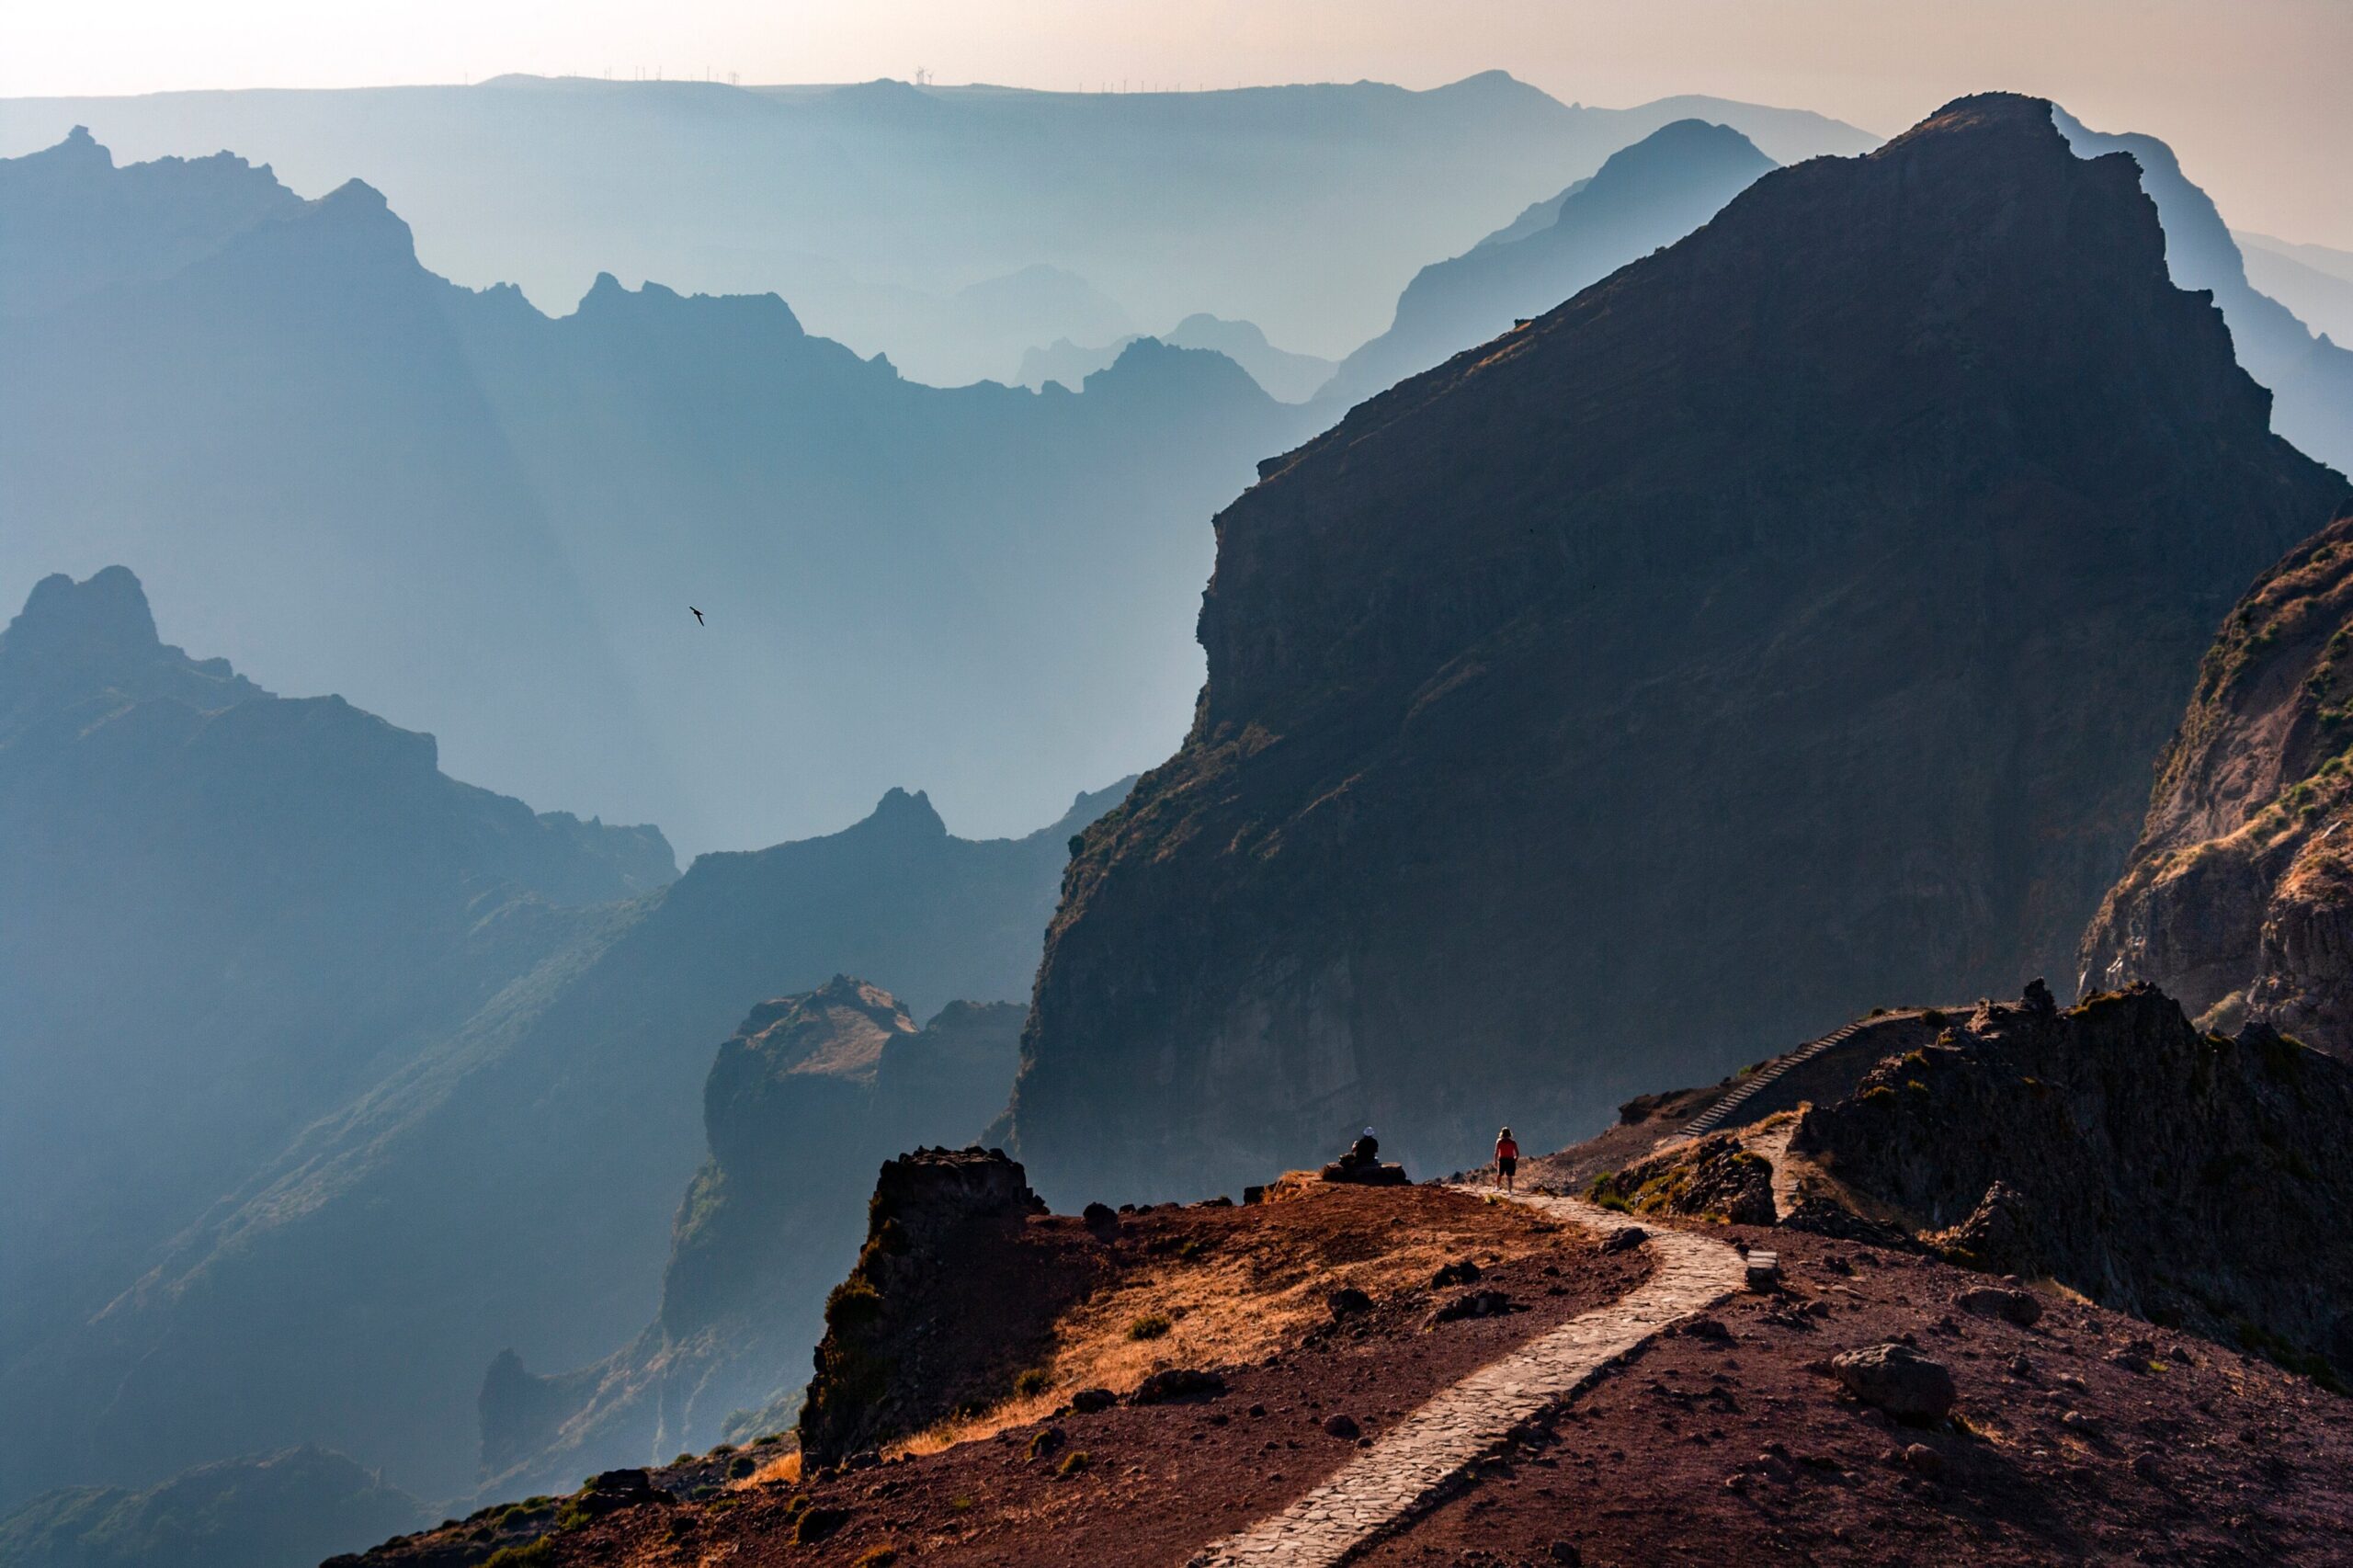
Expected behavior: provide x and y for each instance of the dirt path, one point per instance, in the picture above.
(1412, 1464)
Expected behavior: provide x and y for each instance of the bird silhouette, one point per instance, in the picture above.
(699, 621)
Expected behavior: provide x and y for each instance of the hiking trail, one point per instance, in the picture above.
(1412, 1466)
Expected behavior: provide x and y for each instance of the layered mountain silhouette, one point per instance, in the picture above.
(222, 912)
(2313, 282)
(804, 1101)
(2311, 378)
(1288, 377)
(448, 506)
(1648, 195)
(328, 1078)
(873, 206)
(1779, 627)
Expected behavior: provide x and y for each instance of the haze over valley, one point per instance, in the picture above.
(850, 805)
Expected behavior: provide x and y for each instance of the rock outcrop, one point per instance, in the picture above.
(1781, 626)
(902, 1346)
(803, 1103)
(2238, 900)
(2195, 1180)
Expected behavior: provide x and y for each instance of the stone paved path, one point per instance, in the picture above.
(1410, 1465)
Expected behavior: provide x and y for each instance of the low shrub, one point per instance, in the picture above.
(1150, 1325)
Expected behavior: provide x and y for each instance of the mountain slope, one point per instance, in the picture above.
(280, 1510)
(327, 1076)
(1778, 626)
(986, 587)
(511, 1183)
(222, 912)
(1648, 195)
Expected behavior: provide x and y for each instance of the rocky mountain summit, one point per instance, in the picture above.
(2237, 899)
(1781, 625)
(802, 1101)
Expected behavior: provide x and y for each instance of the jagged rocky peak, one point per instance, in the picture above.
(1809, 598)
(2236, 899)
(73, 641)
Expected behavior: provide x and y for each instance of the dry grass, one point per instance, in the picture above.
(785, 1468)
(1253, 1286)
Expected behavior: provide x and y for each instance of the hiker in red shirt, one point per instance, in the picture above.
(1506, 1157)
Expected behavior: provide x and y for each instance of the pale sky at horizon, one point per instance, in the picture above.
(2252, 93)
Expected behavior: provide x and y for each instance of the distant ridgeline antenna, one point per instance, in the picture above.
(923, 77)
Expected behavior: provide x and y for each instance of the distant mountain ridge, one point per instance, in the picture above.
(935, 581)
(870, 206)
(326, 1077)
(220, 908)
(1648, 195)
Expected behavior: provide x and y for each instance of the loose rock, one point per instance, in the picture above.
(1897, 1380)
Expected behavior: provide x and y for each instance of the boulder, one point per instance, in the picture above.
(1897, 1380)
(2004, 1302)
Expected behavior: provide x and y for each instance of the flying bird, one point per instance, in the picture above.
(699, 621)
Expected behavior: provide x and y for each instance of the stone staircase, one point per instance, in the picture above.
(1718, 1114)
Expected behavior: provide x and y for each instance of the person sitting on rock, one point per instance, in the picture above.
(1364, 1154)
(1507, 1158)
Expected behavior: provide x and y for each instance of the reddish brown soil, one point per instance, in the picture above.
(2243, 1463)
(1158, 1481)
(1731, 1450)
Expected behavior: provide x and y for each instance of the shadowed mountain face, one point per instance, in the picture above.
(2311, 379)
(1779, 627)
(326, 1077)
(809, 1096)
(448, 506)
(1648, 195)
(874, 207)
(221, 912)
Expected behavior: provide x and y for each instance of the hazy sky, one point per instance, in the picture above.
(2252, 94)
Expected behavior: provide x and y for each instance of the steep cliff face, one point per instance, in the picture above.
(2311, 378)
(1781, 625)
(2238, 899)
(2196, 1180)
(803, 1102)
